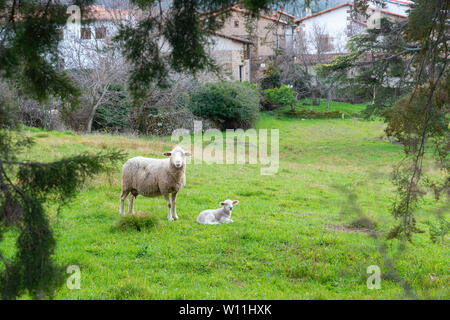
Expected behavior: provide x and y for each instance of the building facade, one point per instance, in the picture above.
(328, 31)
(268, 32)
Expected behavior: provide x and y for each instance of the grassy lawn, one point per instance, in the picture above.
(344, 107)
(291, 236)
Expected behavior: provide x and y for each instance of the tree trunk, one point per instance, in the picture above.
(374, 94)
(314, 97)
(328, 99)
(94, 109)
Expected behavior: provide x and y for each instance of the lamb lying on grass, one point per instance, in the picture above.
(216, 216)
(153, 177)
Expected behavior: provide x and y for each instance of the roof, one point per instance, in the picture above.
(406, 3)
(99, 12)
(260, 15)
(360, 22)
(393, 14)
(345, 5)
(323, 11)
(286, 14)
(234, 38)
(236, 9)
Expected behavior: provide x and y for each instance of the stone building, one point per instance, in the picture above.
(232, 54)
(269, 32)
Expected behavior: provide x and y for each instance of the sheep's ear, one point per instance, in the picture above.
(167, 154)
(235, 202)
(188, 154)
(222, 203)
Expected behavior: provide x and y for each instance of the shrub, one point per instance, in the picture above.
(364, 221)
(138, 221)
(164, 124)
(278, 97)
(113, 116)
(311, 114)
(271, 77)
(229, 104)
(438, 229)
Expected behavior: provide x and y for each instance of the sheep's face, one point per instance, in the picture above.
(177, 157)
(228, 205)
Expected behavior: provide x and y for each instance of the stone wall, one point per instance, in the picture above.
(229, 56)
(164, 124)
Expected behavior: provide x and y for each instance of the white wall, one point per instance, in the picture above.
(84, 53)
(397, 7)
(334, 23)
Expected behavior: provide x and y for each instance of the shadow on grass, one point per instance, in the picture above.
(138, 221)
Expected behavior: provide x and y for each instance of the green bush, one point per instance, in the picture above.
(271, 77)
(230, 105)
(114, 115)
(310, 114)
(138, 221)
(278, 97)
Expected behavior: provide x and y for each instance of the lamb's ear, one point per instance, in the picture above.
(222, 203)
(235, 202)
(187, 154)
(167, 154)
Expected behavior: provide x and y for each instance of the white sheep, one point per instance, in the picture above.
(153, 177)
(216, 216)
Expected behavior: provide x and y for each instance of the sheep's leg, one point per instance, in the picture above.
(123, 196)
(169, 216)
(174, 206)
(130, 204)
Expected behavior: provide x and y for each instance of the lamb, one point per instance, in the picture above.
(153, 177)
(216, 216)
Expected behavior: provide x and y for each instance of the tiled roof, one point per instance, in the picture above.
(99, 12)
(286, 14)
(341, 6)
(393, 14)
(360, 22)
(262, 16)
(237, 9)
(233, 38)
(402, 2)
(324, 11)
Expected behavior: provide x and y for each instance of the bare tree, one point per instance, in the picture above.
(94, 63)
(314, 47)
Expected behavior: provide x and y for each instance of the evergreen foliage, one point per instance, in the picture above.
(25, 187)
(229, 104)
(405, 67)
(279, 97)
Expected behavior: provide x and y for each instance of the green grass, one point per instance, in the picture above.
(292, 235)
(344, 107)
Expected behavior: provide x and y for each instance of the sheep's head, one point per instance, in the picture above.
(228, 205)
(177, 157)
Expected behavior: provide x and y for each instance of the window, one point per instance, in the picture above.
(236, 24)
(85, 33)
(324, 43)
(100, 33)
(247, 52)
(60, 34)
(241, 73)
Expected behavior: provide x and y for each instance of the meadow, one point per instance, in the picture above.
(308, 232)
